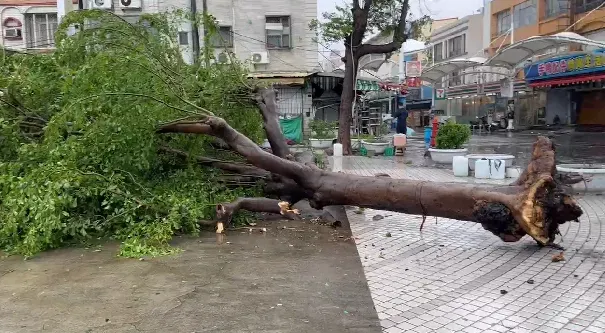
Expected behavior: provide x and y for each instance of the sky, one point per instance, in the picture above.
(436, 9)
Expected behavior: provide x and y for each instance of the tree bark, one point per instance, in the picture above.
(534, 205)
(345, 113)
(267, 104)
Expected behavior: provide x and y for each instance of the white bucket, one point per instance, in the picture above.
(460, 166)
(337, 149)
(497, 169)
(482, 169)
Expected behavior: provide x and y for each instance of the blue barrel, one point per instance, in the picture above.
(428, 131)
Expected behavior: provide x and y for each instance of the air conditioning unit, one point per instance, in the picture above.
(130, 4)
(223, 58)
(260, 58)
(12, 32)
(101, 4)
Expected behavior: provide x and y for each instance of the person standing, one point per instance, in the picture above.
(402, 119)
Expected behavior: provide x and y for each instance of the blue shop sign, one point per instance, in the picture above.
(570, 65)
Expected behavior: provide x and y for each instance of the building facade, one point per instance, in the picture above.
(529, 18)
(567, 83)
(29, 24)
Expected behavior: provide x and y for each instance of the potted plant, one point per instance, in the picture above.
(322, 134)
(356, 141)
(377, 144)
(450, 140)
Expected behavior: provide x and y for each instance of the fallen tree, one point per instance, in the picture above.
(536, 204)
(83, 155)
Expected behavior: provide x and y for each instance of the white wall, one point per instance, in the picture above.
(472, 27)
(247, 19)
(19, 14)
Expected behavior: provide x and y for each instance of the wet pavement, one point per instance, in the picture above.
(296, 277)
(571, 147)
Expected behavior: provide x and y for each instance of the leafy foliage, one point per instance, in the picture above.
(322, 129)
(383, 18)
(452, 136)
(79, 156)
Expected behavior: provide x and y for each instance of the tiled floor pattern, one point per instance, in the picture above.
(456, 277)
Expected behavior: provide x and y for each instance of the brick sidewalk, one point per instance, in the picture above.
(456, 277)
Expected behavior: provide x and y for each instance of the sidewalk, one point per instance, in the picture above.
(302, 278)
(456, 277)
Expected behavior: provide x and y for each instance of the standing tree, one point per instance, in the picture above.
(351, 24)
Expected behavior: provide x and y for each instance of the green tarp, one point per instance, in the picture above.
(292, 128)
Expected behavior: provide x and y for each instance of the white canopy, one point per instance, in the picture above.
(441, 69)
(515, 54)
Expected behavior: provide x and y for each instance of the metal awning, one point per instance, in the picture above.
(437, 71)
(517, 53)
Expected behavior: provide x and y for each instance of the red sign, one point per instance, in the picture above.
(402, 88)
(413, 82)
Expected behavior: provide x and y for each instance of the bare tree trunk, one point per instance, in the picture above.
(268, 106)
(535, 205)
(346, 102)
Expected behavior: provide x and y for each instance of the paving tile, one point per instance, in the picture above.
(451, 274)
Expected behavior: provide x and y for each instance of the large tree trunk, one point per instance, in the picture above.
(347, 97)
(535, 204)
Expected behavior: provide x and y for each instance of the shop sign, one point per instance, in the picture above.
(439, 94)
(566, 66)
(413, 82)
(413, 68)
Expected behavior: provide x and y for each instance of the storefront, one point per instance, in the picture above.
(574, 86)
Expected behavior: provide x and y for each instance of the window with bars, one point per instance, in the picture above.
(583, 6)
(40, 30)
(526, 13)
(438, 52)
(503, 18)
(555, 8)
(456, 46)
(223, 37)
(278, 32)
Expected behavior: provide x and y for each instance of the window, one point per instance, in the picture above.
(555, 8)
(183, 38)
(40, 30)
(456, 46)
(525, 13)
(455, 79)
(278, 32)
(223, 37)
(503, 21)
(12, 29)
(587, 5)
(438, 52)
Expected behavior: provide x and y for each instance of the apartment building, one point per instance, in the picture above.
(520, 19)
(29, 24)
(273, 34)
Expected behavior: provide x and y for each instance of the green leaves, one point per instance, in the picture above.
(452, 136)
(78, 150)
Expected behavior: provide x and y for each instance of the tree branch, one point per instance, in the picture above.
(223, 165)
(267, 104)
(399, 37)
(217, 127)
(225, 211)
